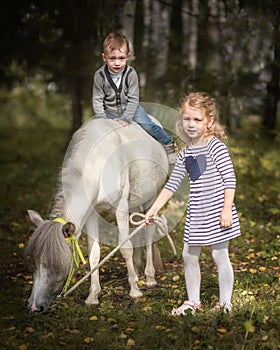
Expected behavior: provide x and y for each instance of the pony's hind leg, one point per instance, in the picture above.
(127, 250)
(94, 258)
(150, 270)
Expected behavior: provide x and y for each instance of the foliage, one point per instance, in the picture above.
(232, 43)
(31, 154)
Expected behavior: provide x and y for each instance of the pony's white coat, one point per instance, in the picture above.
(109, 168)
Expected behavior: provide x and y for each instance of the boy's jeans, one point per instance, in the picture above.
(142, 118)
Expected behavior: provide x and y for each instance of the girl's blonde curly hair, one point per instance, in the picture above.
(206, 103)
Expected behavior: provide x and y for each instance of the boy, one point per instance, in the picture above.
(116, 92)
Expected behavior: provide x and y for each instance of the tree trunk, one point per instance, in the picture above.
(128, 20)
(190, 12)
(145, 46)
(271, 100)
(160, 25)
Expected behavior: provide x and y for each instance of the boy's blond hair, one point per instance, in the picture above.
(115, 41)
(202, 101)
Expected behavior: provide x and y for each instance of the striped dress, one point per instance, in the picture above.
(210, 171)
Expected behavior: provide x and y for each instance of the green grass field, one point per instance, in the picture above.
(34, 131)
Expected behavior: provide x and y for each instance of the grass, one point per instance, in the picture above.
(32, 150)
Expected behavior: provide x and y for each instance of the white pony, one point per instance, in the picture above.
(107, 168)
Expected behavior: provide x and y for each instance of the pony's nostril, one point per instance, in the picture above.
(39, 309)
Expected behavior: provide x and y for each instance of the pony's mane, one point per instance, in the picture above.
(69, 171)
(48, 247)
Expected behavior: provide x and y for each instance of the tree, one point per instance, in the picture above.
(61, 38)
(273, 89)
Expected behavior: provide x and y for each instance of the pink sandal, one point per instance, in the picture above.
(187, 305)
(225, 308)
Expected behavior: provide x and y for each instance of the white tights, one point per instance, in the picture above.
(193, 276)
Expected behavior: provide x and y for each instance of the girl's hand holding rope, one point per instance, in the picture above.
(148, 220)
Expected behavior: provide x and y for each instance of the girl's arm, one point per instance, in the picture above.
(226, 213)
(224, 165)
(161, 200)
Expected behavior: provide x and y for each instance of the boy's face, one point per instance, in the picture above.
(116, 60)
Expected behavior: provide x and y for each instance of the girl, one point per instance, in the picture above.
(211, 217)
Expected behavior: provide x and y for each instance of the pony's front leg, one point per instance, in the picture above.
(127, 249)
(94, 258)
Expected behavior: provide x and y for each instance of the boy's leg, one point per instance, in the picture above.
(157, 132)
(225, 271)
(142, 118)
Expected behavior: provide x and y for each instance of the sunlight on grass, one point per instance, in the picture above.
(33, 136)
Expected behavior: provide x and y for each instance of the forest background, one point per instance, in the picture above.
(49, 52)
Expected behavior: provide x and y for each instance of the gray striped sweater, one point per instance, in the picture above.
(119, 101)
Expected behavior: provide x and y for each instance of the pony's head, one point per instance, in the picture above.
(51, 256)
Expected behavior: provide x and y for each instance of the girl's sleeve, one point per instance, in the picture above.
(221, 157)
(177, 175)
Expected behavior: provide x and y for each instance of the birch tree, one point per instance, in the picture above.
(128, 23)
(190, 33)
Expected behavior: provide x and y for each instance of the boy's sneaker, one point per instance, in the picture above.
(171, 152)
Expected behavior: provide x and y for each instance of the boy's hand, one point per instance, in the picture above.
(122, 123)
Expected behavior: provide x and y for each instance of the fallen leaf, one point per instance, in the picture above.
(141, 283)
(265, 319)
(159, 327)
(222, 330)
(129, 330)
(29, 329)
(130, 342)
(88, 340)
(196, 330)
(72, 331)
(93, 318)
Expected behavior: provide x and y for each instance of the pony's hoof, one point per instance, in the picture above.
(151, 284)
(90, 301)
(136, 294)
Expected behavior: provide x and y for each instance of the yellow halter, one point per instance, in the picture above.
(60, 220)
(77, 255)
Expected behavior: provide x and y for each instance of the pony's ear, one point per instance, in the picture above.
(68, 229)
(35, 217)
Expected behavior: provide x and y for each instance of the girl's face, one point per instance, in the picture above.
(196, 124)
(116, 60)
